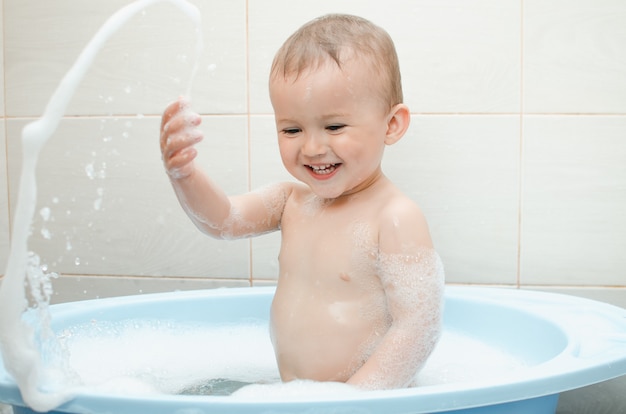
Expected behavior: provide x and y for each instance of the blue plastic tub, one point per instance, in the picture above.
(565, 343)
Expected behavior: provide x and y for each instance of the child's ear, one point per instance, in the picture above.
(398, 122)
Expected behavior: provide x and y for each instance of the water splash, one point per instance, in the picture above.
(18, 339)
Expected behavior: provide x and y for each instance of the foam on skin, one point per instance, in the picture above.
(412, 287)
(416, 282)
(268, 200)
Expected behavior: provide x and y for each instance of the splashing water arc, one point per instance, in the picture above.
(17, 339)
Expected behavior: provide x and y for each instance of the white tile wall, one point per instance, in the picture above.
(516, 150)
(1, 62)
(459, 56)
(574, 56)
(456, 56)
(73, 288)
(464, 172)
(112, 210)
(265, 167)
(574, 209)
(4, 202)
(143, 67)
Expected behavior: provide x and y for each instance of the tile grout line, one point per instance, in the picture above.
(520, 178)
(250, 114)
(249, 130)
(4, 126)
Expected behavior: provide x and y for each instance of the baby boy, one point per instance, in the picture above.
(360, 287)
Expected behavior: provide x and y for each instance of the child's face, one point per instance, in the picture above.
(331, 128)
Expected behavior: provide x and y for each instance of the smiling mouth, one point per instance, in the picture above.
(323, 169)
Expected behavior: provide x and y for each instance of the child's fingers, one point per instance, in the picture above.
(178, 142)
(177, 123)
(172, 109)
(179, 134)
(180, 165)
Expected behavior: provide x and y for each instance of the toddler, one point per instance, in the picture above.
(359, 294)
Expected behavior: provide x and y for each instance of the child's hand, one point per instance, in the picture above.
(179, 134)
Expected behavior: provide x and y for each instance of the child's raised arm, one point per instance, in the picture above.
(206, 204)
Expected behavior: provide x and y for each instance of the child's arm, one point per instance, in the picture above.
(413, 280)
(208, 206)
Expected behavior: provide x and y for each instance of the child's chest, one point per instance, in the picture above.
(336, 246)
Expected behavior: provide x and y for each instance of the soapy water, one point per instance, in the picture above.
(169, 357)
(24, 344)
(149, 357)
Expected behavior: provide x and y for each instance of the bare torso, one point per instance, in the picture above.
(330, 310)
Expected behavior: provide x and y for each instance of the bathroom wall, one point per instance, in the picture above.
(516, 152)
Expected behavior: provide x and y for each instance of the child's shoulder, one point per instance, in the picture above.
(402, 218)
(297, 190)
(398, 205)
(393, 200)
(292, 192)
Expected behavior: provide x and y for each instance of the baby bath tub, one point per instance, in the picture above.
(564, 343)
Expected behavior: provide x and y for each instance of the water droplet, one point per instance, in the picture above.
(128, 89)
(97, 204)
(45, 213)
(46, 234)
(89, 170)
(77, 261)
(102, 173)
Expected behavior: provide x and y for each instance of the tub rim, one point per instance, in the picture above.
(566, 371)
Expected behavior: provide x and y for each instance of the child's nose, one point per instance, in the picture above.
(315, 144)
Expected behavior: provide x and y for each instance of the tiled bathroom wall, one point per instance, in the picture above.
(516, 152)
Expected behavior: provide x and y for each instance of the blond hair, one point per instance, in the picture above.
(341, 37)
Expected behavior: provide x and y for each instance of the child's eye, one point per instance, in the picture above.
(335, 127)
(291, 131)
